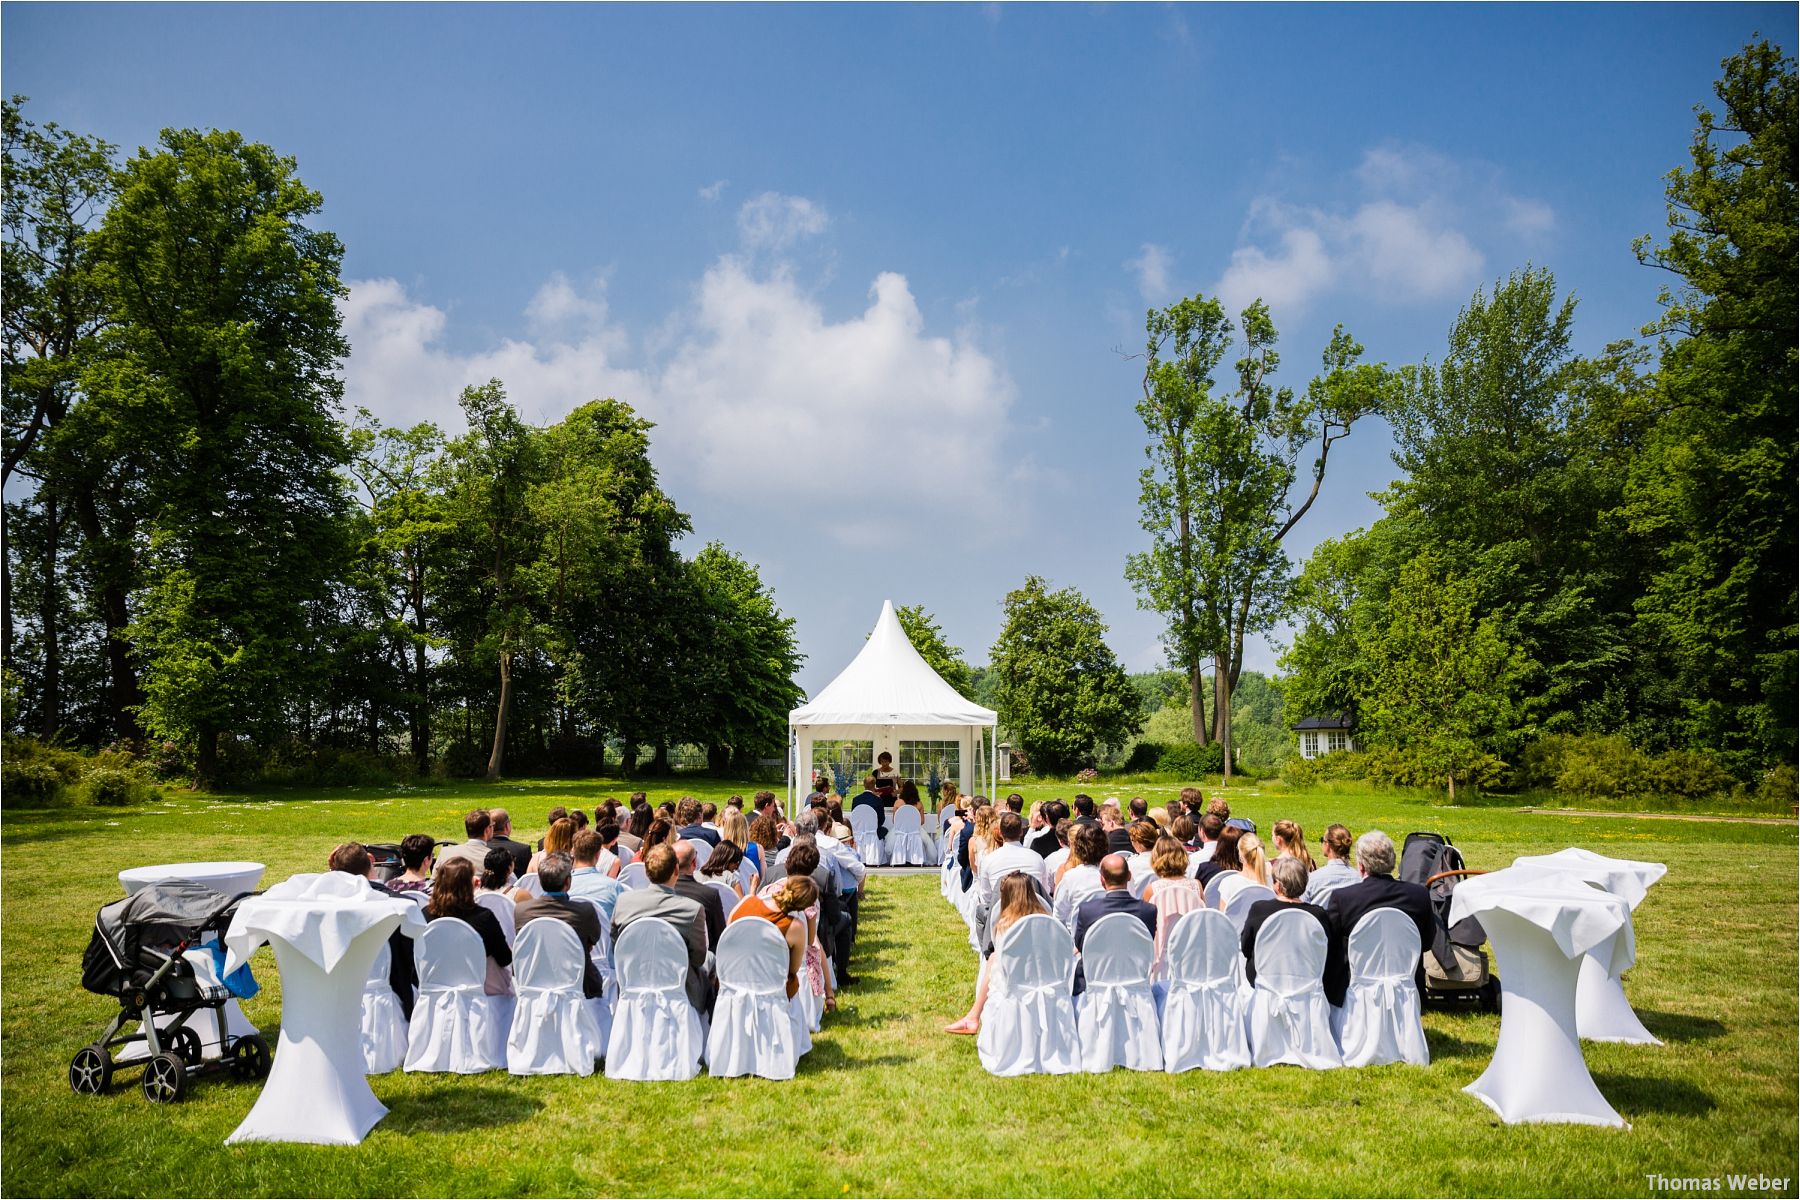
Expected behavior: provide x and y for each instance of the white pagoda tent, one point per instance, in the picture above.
(890, 699)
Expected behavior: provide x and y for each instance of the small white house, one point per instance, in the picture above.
(1325, 735)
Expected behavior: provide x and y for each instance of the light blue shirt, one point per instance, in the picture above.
(603, 890)
(1328, 879)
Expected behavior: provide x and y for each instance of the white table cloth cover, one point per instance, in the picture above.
(1204, 1019)
(754, 1028)
(553, 1029)
(1290, 1019)
(1541, 925)
(326, 931)
(1602, 1013)
(656, 1033)
(1115, 1015)
(456, 1026)
(906, 838)
(1380, 1020)
(231, 878)
(1028, 1027)
(383, 1020)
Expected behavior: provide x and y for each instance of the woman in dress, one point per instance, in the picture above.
(722, 867)
(636, 826)
(1171, 893)
(786, 906)
(1018, 899)
(453, 895)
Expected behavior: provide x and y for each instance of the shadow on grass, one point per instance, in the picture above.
(1636, 1094)
(828, 1056)
(1680, 1027)
(458, 1105)
(1444, 1045)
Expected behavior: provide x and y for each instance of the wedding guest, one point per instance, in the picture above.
(453, 895)
(416, 856)
(1337, 871)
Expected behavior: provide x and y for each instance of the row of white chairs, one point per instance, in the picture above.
(643, 1025)
(1204, 1016)
(909, 842)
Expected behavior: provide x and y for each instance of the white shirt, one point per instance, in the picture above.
(1001, 862)
(1057, 858)
(1336, 873)
(1077, 885)
(1139, 864)
(1206, 851)
(848, 861)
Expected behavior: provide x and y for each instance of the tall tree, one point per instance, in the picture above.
(1713, 494)
(1058, 686)
(747, 660)
(928, 639)
(222, 357)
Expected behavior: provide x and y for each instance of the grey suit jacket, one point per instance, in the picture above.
(689, 921)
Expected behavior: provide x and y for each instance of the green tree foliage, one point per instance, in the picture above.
(1712, 494)
(220, 359)
(928, 639)
(1058, 688)
(744, 670)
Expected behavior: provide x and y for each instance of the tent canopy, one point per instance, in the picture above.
(889, 683)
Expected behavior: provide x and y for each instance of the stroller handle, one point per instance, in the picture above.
(1451, 875)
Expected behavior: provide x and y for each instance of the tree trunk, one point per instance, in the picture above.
(6, 621)
(52, 600)
(206, 759)
(718, 760)
(499, 751)
(421, 709)
(1222, 709)
(659, 765)
(1197, 703)
(123, 695)
(628, 757)
(1451, 777)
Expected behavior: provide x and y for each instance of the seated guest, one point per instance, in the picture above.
(477, 826)
(1379, 889)
(660, 833)
(1118, 838)
(613, 857)
(660, 902)
(560, 840)
(687, 823)
(763, 805)
(631, 836)
(586, 879)
(1224, 858)
(735, 802)
(1192, 802)
(709, 816)
(1081, 874)
(1015, 803)
(1084, 810)
(1040, 835)
(453, 895)
(555, 905)
(722, 867)
(580, 818)
(1115, 879)
(1290, 885)
(833, 822)
(786, 907)
(687, 885)
(556, 814)
(1337, 871)
(500, 834)
(1009, 856)
(1063, 830)
(1253, 870)
(1139, 809)
(1186, 831)
(820, 794)
(1019, 897)
(764, 845)
(1212, 826)
(416, 851)
(734, 827)
(352, 858)
(497, 873)
(1290, 842)
(1144, 836)
(909, 795)
(1171, 893)
(867, 798)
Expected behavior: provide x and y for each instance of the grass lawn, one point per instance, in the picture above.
(886, 1104)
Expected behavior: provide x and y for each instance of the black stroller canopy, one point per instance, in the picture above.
(176, 902)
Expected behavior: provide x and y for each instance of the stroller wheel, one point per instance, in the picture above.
(1490, 995)
(250, 1057)
(165, 1078)
(185, 1044)
(90, 1073)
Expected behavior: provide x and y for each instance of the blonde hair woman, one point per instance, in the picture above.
(1290, 842)
(560, 840)
(1253, 869)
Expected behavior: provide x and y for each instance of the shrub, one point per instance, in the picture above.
(1191, 761)
(30, 780)
(1608, 766)
(1143, 757)
(1778, 786)
(114, 787)
(465, 759)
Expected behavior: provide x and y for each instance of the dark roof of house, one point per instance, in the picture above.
(1337, 721)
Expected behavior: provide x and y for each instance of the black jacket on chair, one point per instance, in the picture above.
(1350, 903)
(1336, 977)
(871, 800)
(709, 900)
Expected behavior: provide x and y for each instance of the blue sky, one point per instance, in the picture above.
(874, 270)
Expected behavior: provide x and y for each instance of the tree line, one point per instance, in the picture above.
(201, 552)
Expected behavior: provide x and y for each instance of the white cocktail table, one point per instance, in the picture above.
(326, 931)
(1541, 925)
(231, 878)
(1602, 1014)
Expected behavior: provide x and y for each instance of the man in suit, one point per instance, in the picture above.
(352, 858)
(477, 825)
(868, 798)
(1290, 885)
(1084, 809)
(1041, 839)
(500, 835)
(688, 826)
(1115, 897)
(1118, 838)
(706, 897)
(659, 902)
(1379, 889)
(555, 905)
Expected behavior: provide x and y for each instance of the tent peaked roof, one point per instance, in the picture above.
(888, 683)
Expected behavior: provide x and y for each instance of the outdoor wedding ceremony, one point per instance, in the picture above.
(982, 599)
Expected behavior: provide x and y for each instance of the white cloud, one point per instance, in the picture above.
(1410, 254)
(1152, 269)
(775, 222)
(1528, 218)
(1285, 279)
(714, 190)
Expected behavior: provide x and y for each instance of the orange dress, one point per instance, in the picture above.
(756, 906)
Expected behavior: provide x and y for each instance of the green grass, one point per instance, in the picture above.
(886, 1104)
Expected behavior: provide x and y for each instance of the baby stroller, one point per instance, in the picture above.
(1456, 969)
(137, 955)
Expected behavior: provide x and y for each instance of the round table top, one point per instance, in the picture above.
(228, 877)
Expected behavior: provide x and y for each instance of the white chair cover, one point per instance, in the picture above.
(1213, 887)
(553, 1030)
(906, 838)
(754, 1030)
(1204, 1017)
(1290, 1019)
(602, 1005)
(633, 876)
(531, 885)
(747, 875)
(868, 842)
(1237, 909)
(502, 907)
(656, 1032)
(1028, 1026)
(1139, 883)
(1116, 1014)
(728, 899)
(455, 1026)
(383, 1020)
(702, 851)
(1380, 1021)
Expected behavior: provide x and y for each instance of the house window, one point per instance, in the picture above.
(923, 762)
(844, 762)
(1309, 745)
(1337, 739)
